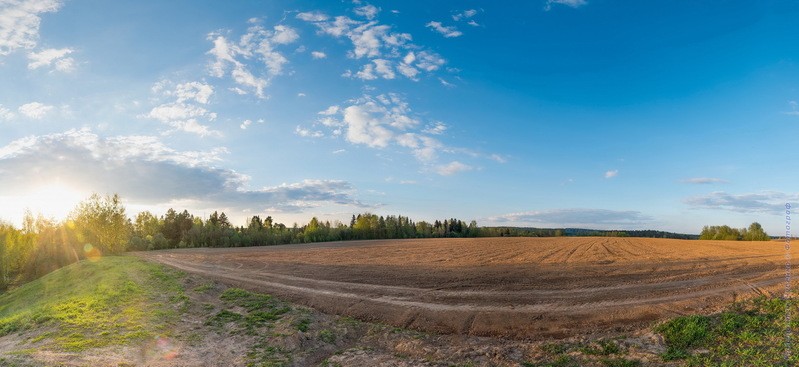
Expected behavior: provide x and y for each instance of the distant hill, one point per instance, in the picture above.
(579, 232)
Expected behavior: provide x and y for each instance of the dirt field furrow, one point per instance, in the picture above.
(512, 287)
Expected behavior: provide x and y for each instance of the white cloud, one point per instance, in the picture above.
(35, 110)
(374, 41)
(386, 122)
(429, 61)
(447, 32)
(364, 128)
(452, 168)
(408, 71)
(436, 128)
(257, 44)
(285, 35)
(19, 23)
(51, 56)
(306, 133)
(312, 17)
(466, 14)
(185, 111)
(163, 175)
(318, 55)
(244, 78)
(576, 217)
(301, 94)
(761, 202)
(611, 173)
(383, 67)
(197, 91)
(245, 124)
(332, 110)
(570, 3)
(5, 113)
(367, 11)
(500, 159)
(703, 180)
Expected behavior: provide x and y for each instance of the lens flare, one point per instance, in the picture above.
(159, 348)
(92, 253)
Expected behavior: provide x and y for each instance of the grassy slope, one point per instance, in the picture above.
(94, 304)
(86, 308)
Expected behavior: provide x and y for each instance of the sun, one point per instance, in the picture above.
(53, 200)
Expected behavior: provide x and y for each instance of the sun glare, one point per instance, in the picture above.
(54, 200)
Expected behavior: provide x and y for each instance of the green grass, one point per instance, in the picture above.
(750, 333)
(205, 287)
(327, 336)
(95, 304)
(602, 348)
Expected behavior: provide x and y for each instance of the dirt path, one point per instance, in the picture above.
(510, 287)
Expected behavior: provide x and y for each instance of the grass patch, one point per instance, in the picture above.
(749, 333)
(327, 336)
(224, 317)
(303, 324)
(602, 348)
(205, 287)
(94, 304)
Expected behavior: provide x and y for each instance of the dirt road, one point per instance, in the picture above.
(510, 287)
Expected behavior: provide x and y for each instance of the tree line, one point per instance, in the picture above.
(755, 232)
(100, 225)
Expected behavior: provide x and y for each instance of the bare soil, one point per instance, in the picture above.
(527, 288)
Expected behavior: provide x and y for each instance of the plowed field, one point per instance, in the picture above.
(510, 287)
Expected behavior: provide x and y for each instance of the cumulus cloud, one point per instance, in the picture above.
(452, 168)
(611, 173)
(368, 11)
(5, 114)
(19, 23)
(185, 109)
(703, 180)
(58, 58)
(318, 55)
(332, 110)
(378, 68)
(383, 51)
(761, 202)
(570, 3)
(386, 121)
(462, 15)
(312, 16)
(245, 124)
(146, 171)
(258, 49)
(35, 110)
(436, 128)
(306, 133)
(575, 217)
(447, 32)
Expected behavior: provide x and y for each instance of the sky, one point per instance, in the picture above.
(666, 115)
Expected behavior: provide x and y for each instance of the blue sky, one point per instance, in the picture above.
(600, 114)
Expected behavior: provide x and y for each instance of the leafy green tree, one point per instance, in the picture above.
(101, 222)
(755, 232)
